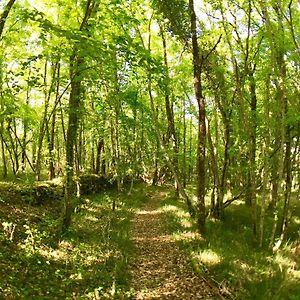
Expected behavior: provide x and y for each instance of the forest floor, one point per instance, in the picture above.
(148, 248)
(88, 262)
(160, 270)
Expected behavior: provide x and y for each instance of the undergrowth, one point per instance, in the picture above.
(88, 262)
(228, 257)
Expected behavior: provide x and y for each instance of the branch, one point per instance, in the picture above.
(228, 202)
(17, 138)
(5, 15)
(213, 48)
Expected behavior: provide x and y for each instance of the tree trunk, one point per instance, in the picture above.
(184, 173)
(214, 168)
(201, 215)
(190, 170)
(3, 150)
(13, 144)
(252, 156)
(171, 132)
(52, 131)
(4, 163)
(25, 127)
(100, 147)
(76, 61)
(44, 120)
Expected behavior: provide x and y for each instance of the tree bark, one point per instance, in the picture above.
(171, 132)
(100, 147)
(52, 131)
(76, 61)
(201, 147)
(252, 156)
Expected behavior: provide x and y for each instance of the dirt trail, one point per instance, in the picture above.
(159, 270)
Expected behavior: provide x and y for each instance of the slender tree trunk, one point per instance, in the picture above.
(214, 168)
(76, 61)
(103, 161)
(100, 146)
(3, 150)
(184, 174)
(201, 215)
(252, 156)
(74, 102)
(79, 148)
(190, 150)
(25, 127)
(44, 120)
(266, 170)
(4, 163)
(52, 131)
(171, 132)
(13, 144)
(9, 152)
(115, 152)
(51, 148)
(288, 181)
(155, 173)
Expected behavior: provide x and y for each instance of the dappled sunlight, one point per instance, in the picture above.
(186, 223)
(294, 274)
(238, 202)
(214, 220)
(207, 257)
(296, 220)
(76, 276)
(194, 198)
(180, 213)
(188, 236)
(159, 238)
(283, 261)
(91, 218)
(93, 252)
(56, 255)
(148, 212)
(168, 208)
(91, 259)
(242, 265)
(92, 209)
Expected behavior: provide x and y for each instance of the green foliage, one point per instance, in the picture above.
(121, 62)
(89, 261)
(177, 13)
(228, 257)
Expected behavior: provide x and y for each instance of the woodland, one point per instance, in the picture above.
(139, 133)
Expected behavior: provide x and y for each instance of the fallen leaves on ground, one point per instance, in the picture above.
(159, 269)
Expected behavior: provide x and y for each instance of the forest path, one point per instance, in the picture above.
(159, 269)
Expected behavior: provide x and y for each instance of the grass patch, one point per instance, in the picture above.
(88, 262)
(229, 258)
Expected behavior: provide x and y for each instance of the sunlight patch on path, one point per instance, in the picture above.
(148, 212)
(162, 238)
